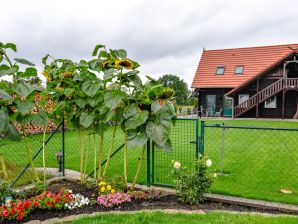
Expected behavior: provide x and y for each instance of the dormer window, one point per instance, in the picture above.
(239, 69)
(220, 70)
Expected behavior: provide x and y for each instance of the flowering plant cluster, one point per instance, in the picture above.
(64, 199)
(192, 184)
(49, 200)
(113, 199)
(17, 210)
(105, 188)
(77, 201)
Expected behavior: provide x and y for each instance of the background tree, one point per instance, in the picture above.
(178, 85)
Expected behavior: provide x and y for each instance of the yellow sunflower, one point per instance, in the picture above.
(105, 63)
(125, 63)
(46, 75)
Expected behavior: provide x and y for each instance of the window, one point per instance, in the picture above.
(220, 70)
(239, 69)
(242, 98)
(270, 103)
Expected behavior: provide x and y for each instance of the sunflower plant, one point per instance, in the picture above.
(18, 98)
(107, 92)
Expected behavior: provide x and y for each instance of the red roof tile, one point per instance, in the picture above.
(255, 60)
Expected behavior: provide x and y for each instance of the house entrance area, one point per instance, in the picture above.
(227, 108)
(218, 105)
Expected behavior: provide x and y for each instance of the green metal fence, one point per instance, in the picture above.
(185, 149)
(252, 162)
(16, 157)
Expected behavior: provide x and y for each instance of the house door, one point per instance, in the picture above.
(228, 104)
(210, 105)
(292, 70)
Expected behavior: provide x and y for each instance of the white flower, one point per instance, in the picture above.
(70, 191)
(177, 165)
(215, 175)
(208, 162)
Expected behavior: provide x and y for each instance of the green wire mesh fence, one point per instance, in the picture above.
(258, 162)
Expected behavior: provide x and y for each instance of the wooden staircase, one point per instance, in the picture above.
(268, 92)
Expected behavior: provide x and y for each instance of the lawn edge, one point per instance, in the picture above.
(71, 218)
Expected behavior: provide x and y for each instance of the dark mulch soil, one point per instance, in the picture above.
(166, 201)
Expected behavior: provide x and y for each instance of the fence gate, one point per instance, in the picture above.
(253, 162)
(185, 147)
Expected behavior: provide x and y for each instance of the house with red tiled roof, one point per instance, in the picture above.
(256, 82)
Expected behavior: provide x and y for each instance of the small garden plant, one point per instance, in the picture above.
(109, 196)
(191, 184)
(19, 209)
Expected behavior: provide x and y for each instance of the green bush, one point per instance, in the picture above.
(192, 184)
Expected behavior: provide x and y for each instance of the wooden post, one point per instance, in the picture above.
(283, 103)
(296, 115)
(257, 107)
(283, 91)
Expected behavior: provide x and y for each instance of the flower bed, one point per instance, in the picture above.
(20, 209)
(49, 204)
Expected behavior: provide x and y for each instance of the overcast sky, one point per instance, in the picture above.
(165, 37)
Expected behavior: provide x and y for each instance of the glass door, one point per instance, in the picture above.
(210, 105)
(228, 105)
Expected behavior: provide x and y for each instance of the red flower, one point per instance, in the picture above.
(13, 211)
(39, 197)
(58, 198)
(20, 216)
(36, 204)
(5, 213)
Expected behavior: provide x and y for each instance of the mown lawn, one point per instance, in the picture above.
(161, 217)
(255, 163)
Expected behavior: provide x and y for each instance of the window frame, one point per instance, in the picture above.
(241, 95)
(238, 73)
(274, 106)
(220, 67)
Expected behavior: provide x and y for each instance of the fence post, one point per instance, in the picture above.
(197, 142)
(63, 146)
(222, 149)
(202, 138)
(152, 164)
(148, 164)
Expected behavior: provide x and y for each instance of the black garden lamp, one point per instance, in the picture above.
(59, 156)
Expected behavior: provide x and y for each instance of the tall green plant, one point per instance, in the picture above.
(23, 88)
(108, 90)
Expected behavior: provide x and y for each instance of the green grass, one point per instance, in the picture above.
(257, 163)
(161, 217)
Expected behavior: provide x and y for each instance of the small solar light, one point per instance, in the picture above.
(59, 156)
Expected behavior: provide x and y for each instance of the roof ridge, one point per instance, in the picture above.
(261, 46)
